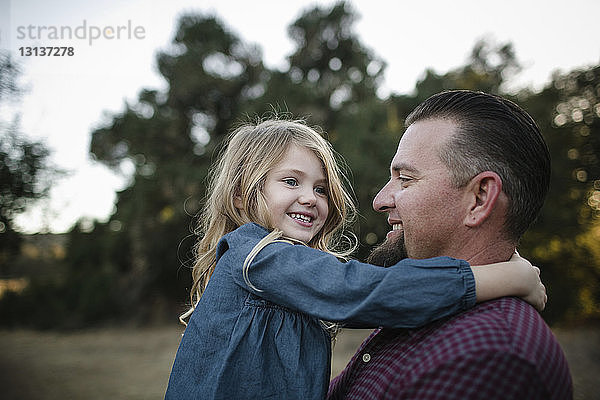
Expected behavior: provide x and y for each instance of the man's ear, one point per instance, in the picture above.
(483, 191)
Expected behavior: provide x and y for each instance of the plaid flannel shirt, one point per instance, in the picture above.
(500, 349)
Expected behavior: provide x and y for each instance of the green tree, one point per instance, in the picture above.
(25, 175)
(329, 67)
(566, 237)
(488, 68)
(167, 139)
(24, 169)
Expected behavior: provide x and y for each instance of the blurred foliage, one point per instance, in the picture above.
(136, 266)
(565, 242)
(9, 73)
(24, 169)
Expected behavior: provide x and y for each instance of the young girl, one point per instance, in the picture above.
(256, 331)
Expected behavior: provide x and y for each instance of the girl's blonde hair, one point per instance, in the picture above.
(249, 153)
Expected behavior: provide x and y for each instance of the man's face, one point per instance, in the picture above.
(424, 208)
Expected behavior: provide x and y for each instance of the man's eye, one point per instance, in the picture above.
(404, 178)
(290, 181)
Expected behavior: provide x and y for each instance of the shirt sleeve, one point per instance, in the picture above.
(406, 295)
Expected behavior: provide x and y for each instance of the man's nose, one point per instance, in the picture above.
(384, 200)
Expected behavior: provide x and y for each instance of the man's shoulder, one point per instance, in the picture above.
(507, 316)
(497, 346)
(497, 336)
(503, 325)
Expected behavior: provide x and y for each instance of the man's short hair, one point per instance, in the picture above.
(493, 134)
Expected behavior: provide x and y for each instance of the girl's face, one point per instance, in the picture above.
(296, 194)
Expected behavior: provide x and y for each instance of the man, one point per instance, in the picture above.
(469, 176)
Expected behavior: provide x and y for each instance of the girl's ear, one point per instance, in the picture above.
(483, 191)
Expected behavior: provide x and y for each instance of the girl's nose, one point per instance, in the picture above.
(307, 198)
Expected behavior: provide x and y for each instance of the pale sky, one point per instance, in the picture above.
(68, 96)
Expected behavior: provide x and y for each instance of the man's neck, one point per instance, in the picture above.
(492, 253)
(478, 248)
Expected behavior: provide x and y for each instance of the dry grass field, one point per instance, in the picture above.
(135, 363)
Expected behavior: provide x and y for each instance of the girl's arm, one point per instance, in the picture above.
(406, 295)
(516, 277)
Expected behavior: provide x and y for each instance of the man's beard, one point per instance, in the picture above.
(390, 252)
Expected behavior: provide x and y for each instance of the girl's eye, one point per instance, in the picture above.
(321, 190)
(290, 182)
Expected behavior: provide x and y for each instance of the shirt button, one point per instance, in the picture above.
(366, 357)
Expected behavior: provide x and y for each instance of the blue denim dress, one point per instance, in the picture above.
(269, 344)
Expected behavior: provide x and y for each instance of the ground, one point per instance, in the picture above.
(126, 363)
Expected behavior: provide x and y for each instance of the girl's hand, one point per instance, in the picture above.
(534, 290)
(516, 277)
